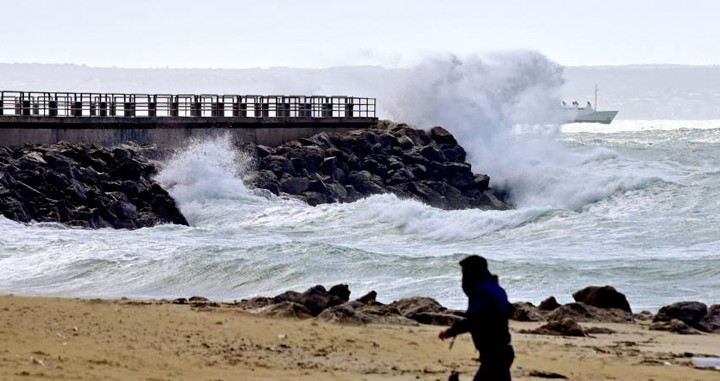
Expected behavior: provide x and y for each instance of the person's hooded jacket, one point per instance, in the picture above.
(487, 314)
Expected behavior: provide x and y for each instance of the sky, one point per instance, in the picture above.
(318, 34)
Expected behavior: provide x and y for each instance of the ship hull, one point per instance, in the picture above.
(592, 116)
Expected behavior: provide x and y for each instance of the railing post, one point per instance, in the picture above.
(196, 108)
(129, 108)
(76, 109)
(26, 108)
(103, 108)
(152, 109)
(305, 110)
(217, 109)
(53, 108)
(240, 110)
(349, 107)
(327, 109)
(174, 108)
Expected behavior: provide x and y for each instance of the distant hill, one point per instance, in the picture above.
(638, 91)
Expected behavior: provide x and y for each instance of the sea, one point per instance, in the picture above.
(634, 204)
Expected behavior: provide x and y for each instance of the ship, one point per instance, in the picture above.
(588, 114)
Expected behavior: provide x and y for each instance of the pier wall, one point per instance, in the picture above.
(167, 132)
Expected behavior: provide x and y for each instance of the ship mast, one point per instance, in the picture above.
(596, 90)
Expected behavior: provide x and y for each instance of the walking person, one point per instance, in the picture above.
(486, 320)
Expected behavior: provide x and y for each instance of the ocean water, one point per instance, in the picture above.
(635, 204)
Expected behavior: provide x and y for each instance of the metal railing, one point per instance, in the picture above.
(119, 105)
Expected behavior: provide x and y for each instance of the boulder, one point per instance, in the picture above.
(549, 304)
(314, 198)
(644, 316)
(599, 331)
(255, 303)
(368, 298)
(317, 298)
(563, 327)
(357, 313)
(341, 291)
(416, 305)
(602, 297)
(286, 310)
(442, 136)
(364, 183)
(584, 313)
(673, 325)
(481, 182)
(294, 185)
(345, 314)
(278, 164)
(433, 318)
(526, 312)
(711, 321)
(328, 165)
(287, 296)
(690, 313)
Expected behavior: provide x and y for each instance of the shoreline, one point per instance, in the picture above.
(150, 339)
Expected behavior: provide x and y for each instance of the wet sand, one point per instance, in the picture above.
(72, 339)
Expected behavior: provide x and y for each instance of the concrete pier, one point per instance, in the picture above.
(170, 120)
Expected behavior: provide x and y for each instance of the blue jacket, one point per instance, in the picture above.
(486, 318)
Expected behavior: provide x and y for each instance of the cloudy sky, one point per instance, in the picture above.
(321, 33)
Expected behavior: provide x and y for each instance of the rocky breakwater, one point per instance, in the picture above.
(85, 186)
(388, 158)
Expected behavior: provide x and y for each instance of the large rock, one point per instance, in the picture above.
(433, 318)
(416, 305)
(711, 321)
(564, 327)
(690, 313)
(368, 298)
(584, 313)
(549, 304)
(442, 135)
(345, 314)
(526, 312)
(317, 298)
(286, 310)
(294, 185)
(341, 291)
(602, 297)
(356, 313)
(675, 326)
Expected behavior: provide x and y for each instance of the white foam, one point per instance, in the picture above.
(504, 110)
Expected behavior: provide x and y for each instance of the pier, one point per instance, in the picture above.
(169, 119)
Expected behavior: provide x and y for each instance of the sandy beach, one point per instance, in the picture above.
(73, 339)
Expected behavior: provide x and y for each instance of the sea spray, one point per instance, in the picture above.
(204, 174)
(504, 110)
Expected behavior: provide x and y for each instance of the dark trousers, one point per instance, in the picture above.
(495, 364)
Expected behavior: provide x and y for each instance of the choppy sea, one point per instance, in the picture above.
(637, 207)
